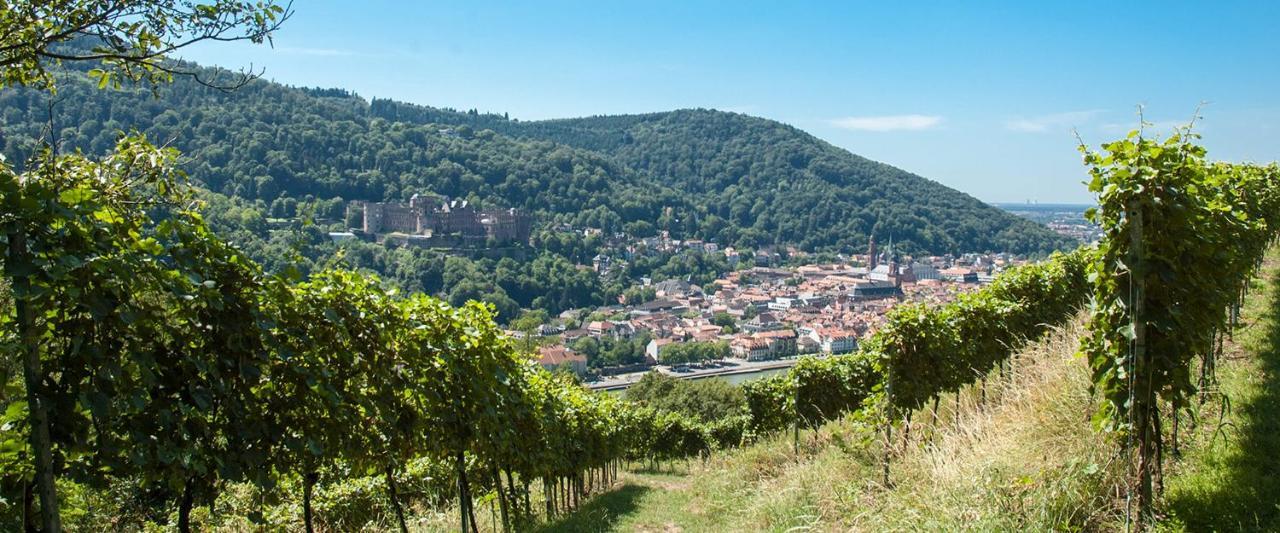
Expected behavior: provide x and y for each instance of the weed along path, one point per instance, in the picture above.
(1229, 478)
(1027, 459)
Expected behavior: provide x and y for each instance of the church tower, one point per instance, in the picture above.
(871, 254)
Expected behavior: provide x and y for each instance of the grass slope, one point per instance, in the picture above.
(1027, 459)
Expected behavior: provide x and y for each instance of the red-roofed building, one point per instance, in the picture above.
(556, 357)
(834, 340)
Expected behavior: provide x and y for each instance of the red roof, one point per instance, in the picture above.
(557, 355)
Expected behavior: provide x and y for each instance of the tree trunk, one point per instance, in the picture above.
(308, 485)
(184, 509)
(1158, 472)
(1174, 434)
(515, 497)
(28, 507)
(888, 445)
(906, 431)
(33, 376)
(394, 494)
(528, 505)
(1146, 458)
(933, 426)
(546, 497)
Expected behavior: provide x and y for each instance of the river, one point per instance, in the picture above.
(732, 379)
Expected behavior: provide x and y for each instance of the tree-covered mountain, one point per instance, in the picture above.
(732, 178)
(268, 153)
(757, 181)
(267, 141)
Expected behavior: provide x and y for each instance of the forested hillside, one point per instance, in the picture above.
(731, 178)
(281, 165)
(758, 181)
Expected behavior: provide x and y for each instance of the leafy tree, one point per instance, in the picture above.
(67, 212)
(694, 352)
(706, 400)
(133, 39)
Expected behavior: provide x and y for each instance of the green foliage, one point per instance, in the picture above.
(1181, 238)
(681, 353)
(131, 39)
(754, 182)
(827, 388)
(771, 403)
(608, 351)
(927, 351)
(639, 294)
(1205, 226)
(705, 400)
(923, 351)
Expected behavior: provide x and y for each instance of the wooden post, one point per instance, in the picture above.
(888, 423)
(502, 499)
(795, 420)
(1141, 407)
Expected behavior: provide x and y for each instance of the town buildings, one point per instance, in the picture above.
(766, 313)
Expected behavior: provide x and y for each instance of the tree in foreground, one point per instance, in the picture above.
(79, 251)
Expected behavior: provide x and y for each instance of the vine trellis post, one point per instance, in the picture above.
(1141, 409)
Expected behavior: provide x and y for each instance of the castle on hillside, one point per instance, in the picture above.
(440, 217)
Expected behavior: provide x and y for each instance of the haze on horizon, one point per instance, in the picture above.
(983, 98)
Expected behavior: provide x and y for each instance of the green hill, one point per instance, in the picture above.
(738, 180)
(753, 180)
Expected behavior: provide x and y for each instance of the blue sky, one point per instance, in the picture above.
(982, 98)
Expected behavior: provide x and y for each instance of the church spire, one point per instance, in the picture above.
(872, 259)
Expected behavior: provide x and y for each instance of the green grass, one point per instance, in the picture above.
(1230, 479)
(602, 512)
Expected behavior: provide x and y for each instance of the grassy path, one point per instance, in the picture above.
(1230, 479)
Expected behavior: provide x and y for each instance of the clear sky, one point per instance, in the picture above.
(982, 98)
